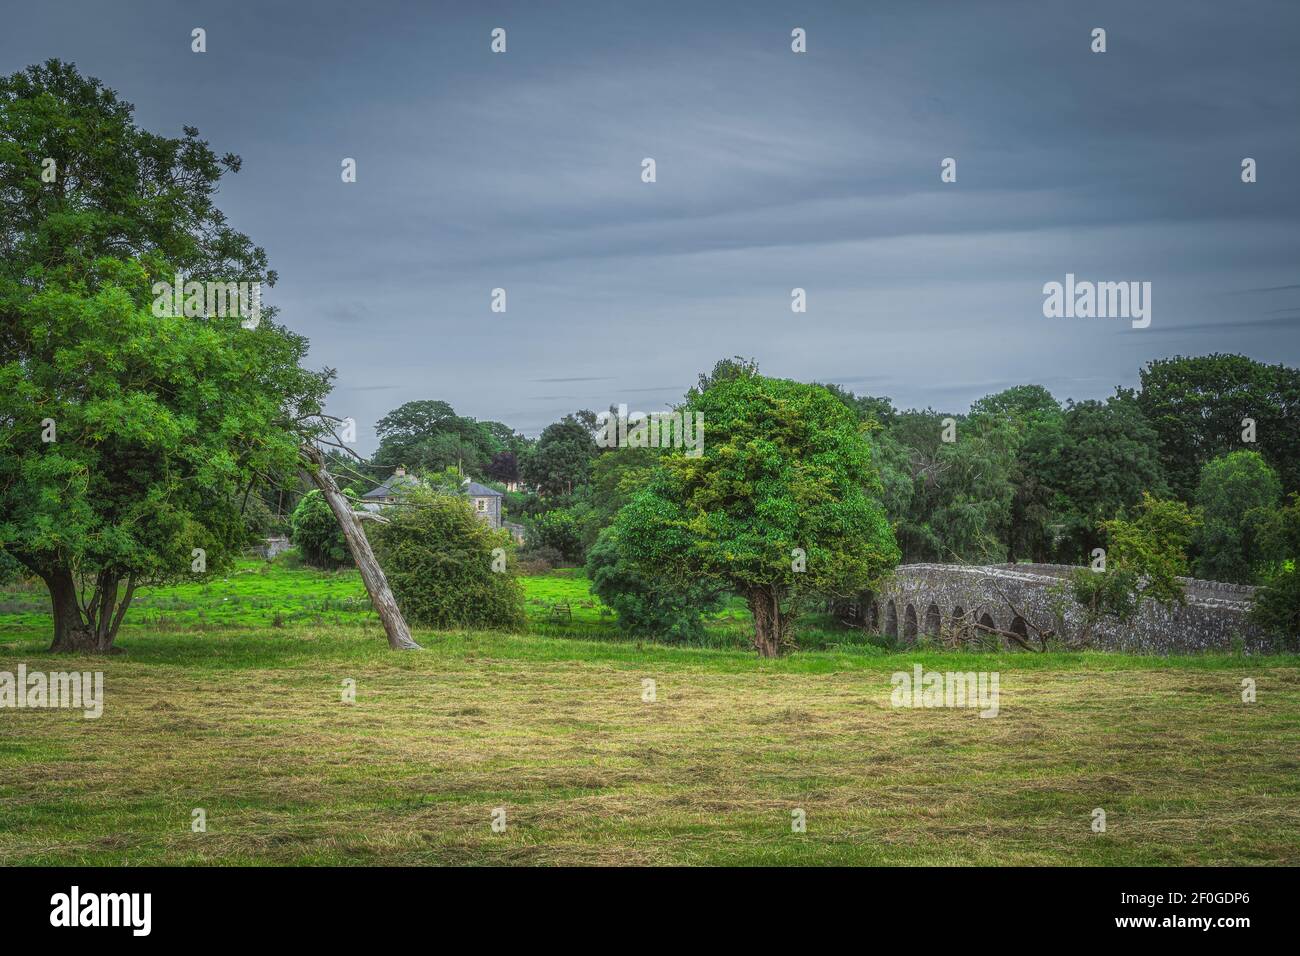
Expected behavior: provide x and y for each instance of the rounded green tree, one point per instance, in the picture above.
(781, 503)
(1239, 496)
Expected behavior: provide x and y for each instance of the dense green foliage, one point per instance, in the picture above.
(1277, 604)
(1198, 407)
(10, 569)
(1092, 463)
(131, 439)
(439, 561)
(1238, 495)
(316, 532)
(557, 529)
(430, 436)
(1145, 554)
(782, 503)
(959, 505)
(560, 460)
(648, 604)
(1020, 476)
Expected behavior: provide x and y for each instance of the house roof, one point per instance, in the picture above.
(389, 487)
(395, 484)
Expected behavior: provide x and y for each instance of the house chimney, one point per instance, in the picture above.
(400, 472)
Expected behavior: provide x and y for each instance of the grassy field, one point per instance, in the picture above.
(257, 593)
(214, 706)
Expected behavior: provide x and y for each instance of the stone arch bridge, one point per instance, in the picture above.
(938, 599)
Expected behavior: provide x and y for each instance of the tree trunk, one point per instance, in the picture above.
(399, 636)
(770, 627)
(72, 635)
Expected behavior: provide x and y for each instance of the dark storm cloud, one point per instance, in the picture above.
(775, 170)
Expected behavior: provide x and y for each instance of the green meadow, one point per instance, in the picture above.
(229, 698)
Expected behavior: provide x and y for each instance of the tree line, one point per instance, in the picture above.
(1192, 473)
(138, 449)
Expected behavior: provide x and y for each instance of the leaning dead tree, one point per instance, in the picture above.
(1044, 635)
(967, 629)
(399, 635)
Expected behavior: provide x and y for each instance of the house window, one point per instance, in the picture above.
(481, 503)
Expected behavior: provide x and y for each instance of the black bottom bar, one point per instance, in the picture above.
(943, 906)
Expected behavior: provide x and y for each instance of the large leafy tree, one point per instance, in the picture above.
(1239, 497)
(1196, 406)
(1085, 468)
(129, 440)
(503, 438)
(960, 502)
(504, 467)
(429, 436)
(1035, 418)
(561, 459)
(785, 466)
(1021, 403)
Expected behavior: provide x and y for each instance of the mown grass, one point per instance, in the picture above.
(246, 721)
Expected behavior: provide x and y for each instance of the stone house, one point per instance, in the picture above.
(388, 492)
(485, 501)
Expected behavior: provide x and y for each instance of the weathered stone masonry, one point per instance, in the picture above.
(928, 598)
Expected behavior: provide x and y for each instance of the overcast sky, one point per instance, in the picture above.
(775, 170)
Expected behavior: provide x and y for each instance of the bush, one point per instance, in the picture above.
(290, 559)
(560, 530)
(439, 561)
(644, 605)
(538, 560)
(316, 532)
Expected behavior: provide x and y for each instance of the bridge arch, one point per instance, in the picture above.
(909, 623)
(1214, 614)
(933, 620)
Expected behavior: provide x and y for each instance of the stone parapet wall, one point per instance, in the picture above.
(926, 598)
